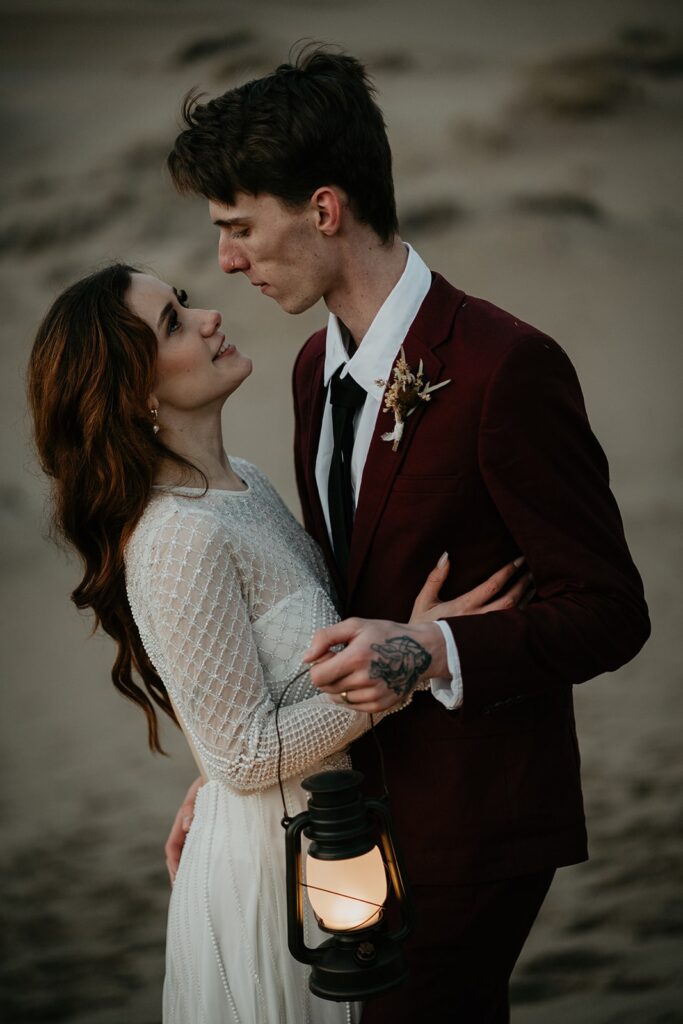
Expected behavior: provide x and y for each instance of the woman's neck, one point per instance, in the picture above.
(201, 445)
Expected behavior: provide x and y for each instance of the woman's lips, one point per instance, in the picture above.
(229, 350)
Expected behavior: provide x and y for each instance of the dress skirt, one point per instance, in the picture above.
(227, 959)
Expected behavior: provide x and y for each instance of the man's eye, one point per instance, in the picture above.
(240, 234)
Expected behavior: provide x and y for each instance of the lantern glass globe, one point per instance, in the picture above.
(347, 894)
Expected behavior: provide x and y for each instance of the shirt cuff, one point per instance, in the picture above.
(449, 691)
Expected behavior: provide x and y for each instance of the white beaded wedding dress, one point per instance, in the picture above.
(227, 590)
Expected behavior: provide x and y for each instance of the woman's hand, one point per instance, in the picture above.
(180, 828)
(484, 598)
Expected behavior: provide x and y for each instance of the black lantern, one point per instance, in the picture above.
(348, 879)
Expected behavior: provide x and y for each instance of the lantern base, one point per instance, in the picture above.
(357, 966)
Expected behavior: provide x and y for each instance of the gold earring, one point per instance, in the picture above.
(155, 413)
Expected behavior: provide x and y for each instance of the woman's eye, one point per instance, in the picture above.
(173, 323)
(182, 298)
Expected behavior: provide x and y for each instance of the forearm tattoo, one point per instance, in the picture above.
(401, 664)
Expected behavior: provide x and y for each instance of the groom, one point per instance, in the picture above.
(497, 462)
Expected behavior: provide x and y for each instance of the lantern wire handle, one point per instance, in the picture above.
(285, 815)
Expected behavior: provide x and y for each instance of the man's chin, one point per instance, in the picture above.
(294, 305)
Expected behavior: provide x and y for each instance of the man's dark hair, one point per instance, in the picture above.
(308, 124)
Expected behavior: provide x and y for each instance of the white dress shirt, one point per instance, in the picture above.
(373, 360)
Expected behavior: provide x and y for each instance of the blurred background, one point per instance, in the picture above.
(537, 155)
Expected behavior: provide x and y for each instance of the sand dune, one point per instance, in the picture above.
(537, 153)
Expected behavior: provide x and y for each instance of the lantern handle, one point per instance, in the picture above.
(295, 891)
(285, 816)
(395, 868)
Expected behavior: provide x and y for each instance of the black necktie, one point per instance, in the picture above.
(346, 397)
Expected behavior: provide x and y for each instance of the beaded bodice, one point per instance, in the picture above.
(227, 589)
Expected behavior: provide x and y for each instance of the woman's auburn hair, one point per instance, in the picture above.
(90, 374)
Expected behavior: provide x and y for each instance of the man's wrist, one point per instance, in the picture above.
(432, 639)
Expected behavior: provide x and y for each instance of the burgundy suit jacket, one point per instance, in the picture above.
(501, 461)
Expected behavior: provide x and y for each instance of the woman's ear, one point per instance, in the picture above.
(153, 406)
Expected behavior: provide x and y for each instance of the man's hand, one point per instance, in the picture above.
(381, 663)
(181, 826)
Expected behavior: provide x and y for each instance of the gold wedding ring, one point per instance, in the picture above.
(345, 697)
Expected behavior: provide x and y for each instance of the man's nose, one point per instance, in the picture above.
(230, 259)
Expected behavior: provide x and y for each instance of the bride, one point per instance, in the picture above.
(212, 592)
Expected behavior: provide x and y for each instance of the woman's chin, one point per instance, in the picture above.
(248, 369)
(235, 384)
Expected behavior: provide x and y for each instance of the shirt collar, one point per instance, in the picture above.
(375, 356)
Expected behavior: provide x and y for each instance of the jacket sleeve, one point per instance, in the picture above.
(549, 479)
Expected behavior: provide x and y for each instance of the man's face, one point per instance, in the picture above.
(279, 249)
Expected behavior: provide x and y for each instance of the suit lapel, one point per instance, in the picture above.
(430, 327)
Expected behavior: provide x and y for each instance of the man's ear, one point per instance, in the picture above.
(328, 204)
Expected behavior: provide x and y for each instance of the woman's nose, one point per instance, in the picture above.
(211, 321)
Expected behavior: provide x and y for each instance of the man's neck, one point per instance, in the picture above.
(370, 273)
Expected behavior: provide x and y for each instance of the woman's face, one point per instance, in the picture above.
(196, 367)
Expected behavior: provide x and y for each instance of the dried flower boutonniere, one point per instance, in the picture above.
(403, 396)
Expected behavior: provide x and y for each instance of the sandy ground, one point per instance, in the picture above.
(537, 149)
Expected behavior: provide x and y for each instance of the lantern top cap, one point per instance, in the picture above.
(333, 782)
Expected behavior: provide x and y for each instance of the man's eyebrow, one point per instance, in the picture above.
(230, 222)
(166, 311)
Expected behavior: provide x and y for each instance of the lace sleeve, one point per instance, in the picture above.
(204, 650)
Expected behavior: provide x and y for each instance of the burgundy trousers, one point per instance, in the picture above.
(462, 952)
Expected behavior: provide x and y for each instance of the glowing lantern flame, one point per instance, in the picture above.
(347, 894)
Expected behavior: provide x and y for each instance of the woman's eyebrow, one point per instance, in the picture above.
(166, 311)
(164, 315)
